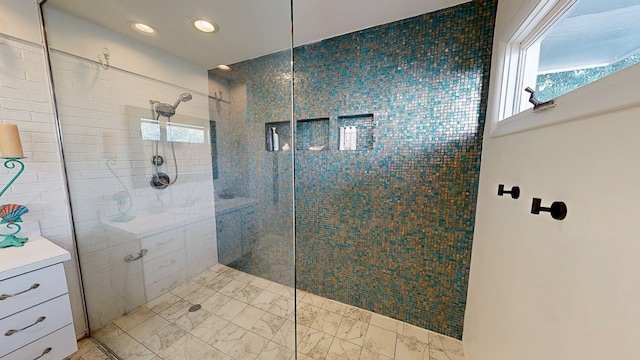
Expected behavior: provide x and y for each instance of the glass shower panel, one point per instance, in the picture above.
(182, 218)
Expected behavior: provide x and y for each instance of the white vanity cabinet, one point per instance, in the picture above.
(237, 228)
(35, 312)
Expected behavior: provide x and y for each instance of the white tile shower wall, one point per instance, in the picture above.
(25, 100)
(100, 111)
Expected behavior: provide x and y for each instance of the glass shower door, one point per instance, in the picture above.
(182, 217)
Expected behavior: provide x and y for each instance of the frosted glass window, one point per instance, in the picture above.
(185, 133)
(592, 39)
(150, 129)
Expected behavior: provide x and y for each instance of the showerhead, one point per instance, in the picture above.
(184, 97)
(165, 110)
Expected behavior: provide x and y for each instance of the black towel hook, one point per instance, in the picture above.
(558, 209)
(515, 191)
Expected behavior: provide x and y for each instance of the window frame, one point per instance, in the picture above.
(506, 90)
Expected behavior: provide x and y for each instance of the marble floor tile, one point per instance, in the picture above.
(244, 317)
(435, 354)
(232, 288)
(352, 330)
(163, 337)
(413, 331)
(190, 347)
(225, 339)
(248, 317)
(248, 293)
(191, 320)
(215, 302)
(445, 343)
(410, 348)
(335, 306)
(248, 347)
(358, 314)
(208, 329)
(286, 335)
(199, 295)
(314, 300)
(217, 283)
(95, 354)
(275, 351)
(231, 309)
(368, 354)
(265, 300)
(162, 302)
(315, 344)
(282, 306)
(384, 322)
(268, 325)
(133, 318)
(186, 289)
(108, 333)
(246, 278)
(175, 310)
(128, 348)
(327, 322)
(261, 283)
(343, 350)
(148, 328)
(381, 341)
(277, 288)
(306, 314)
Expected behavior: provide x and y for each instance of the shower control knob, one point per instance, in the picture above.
(157, 160)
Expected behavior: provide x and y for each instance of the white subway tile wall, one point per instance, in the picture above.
(25, 100)
(100, 112)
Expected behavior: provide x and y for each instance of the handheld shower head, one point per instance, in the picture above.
(184, 97)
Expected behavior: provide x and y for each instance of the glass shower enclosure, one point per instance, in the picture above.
(176, 188)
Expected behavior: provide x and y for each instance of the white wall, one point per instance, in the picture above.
(25, 100)
(546, 289)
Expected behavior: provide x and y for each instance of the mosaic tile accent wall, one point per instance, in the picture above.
(390, 229)
(387, 227)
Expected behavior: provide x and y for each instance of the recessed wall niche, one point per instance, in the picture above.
(283, 129)
(312, 134)
(355, 132)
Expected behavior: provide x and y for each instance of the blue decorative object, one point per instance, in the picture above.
(11, 213)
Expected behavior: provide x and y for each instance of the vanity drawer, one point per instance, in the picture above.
(29, 325)
(159, 268)
(55, 346)
(30, 289)
(162, 244)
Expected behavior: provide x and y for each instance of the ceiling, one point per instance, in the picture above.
(248, 28)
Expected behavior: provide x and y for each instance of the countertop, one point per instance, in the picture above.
(224, 206)
(36, 253)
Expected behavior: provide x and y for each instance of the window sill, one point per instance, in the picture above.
(611, 93)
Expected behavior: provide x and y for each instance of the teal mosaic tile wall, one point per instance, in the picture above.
(387, 227)
(390, 228)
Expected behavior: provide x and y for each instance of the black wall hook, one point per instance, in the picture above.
(515, 191)
(558, 209)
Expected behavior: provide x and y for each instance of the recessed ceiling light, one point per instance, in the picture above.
(224, 67)
(204, 25)
(143, 28)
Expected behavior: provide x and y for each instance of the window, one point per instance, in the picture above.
(559, 46)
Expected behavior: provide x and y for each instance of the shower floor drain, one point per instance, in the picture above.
(194, 308)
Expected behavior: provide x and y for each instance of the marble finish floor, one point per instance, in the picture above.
(244, 317)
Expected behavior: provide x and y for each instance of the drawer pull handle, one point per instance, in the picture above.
(6, 296)
(11, 332)
(130, 258)
(44, 352)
